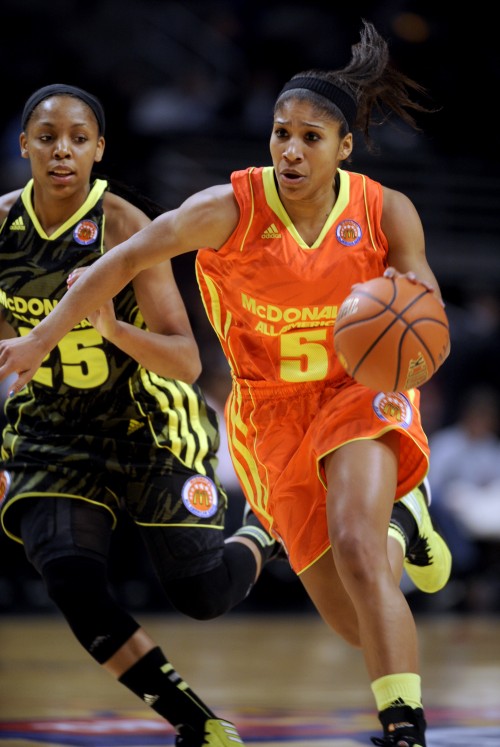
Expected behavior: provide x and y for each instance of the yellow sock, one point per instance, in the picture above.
(393, 688)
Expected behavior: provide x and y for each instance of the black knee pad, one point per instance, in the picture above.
(178, 552)
(53, 528)
(215, 592)
(79, 588)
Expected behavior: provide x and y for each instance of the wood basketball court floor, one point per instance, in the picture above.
(285, 680)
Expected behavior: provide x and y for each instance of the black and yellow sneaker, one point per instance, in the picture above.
(403, 727)
(428, 558)
(217, 733)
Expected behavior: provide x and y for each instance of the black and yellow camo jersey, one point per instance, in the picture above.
(93, 423)
(33, 274)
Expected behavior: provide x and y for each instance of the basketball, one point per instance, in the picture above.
(391, 334)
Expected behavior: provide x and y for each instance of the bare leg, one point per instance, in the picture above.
(130, 653)
(356, 587)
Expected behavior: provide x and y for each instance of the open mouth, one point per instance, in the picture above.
(290, 176)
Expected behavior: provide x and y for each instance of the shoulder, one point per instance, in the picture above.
(404, 231)
(207, 218)
(361, 186)
(122, 219)
(6, 202)
(218, 198)
(396, 201)
(252, 171)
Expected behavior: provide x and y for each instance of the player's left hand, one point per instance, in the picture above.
(391, 272)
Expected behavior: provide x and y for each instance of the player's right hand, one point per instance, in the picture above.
(21, 356)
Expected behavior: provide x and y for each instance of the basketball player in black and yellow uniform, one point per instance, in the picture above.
(108, 423)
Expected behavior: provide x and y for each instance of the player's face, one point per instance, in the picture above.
(62, 143)
(306, 149)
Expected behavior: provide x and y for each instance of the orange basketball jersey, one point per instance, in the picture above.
(270, 297)
(273, 300)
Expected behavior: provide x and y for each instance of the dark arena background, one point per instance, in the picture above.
(188, 89)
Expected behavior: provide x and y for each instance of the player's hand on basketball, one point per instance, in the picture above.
(391, 272)
(104, 318)
(391, 333)
(22, 356)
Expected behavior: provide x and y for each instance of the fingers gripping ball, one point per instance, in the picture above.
(391, 334)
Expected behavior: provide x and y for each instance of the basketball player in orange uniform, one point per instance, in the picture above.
(320, 457)
(291, 400)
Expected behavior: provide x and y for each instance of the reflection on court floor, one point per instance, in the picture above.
(273, 728)
(285, 681)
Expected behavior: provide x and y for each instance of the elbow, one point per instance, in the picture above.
(184, 366)
(190, 366)
(193, 370)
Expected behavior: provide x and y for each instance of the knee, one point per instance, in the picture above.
(193, 598)
(198, 597)
(354, 555)
(213, 593)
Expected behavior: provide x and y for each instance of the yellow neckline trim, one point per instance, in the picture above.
(93, 197)
(274, 202)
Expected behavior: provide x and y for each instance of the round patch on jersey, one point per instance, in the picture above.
(200, 496)
(85, 232)
(4, 484)
(393, 407)
(349, 232)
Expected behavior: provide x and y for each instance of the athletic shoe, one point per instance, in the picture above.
(217, 733)
(403, 727)
(428, 559)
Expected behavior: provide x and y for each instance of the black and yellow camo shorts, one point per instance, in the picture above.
(115, 454)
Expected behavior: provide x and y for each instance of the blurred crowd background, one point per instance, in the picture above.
(188, 88)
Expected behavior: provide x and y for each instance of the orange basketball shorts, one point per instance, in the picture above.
(279, 435)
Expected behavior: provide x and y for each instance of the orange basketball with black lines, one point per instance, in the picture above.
(391, 334)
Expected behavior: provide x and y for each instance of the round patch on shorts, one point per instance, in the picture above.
(393, 407)
(200, 496)
(4, 484)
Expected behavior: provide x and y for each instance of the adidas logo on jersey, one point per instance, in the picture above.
(18, 224)
(133, 425)
(271, 232)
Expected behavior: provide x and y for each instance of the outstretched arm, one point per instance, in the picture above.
(206, 219)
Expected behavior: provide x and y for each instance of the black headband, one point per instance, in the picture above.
(58, 89)
(345, 102)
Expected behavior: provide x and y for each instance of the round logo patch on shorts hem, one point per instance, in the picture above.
(4, 484)
(393, 407)
(200, 496)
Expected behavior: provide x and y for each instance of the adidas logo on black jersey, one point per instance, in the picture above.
(18, 224)
(133, 425)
